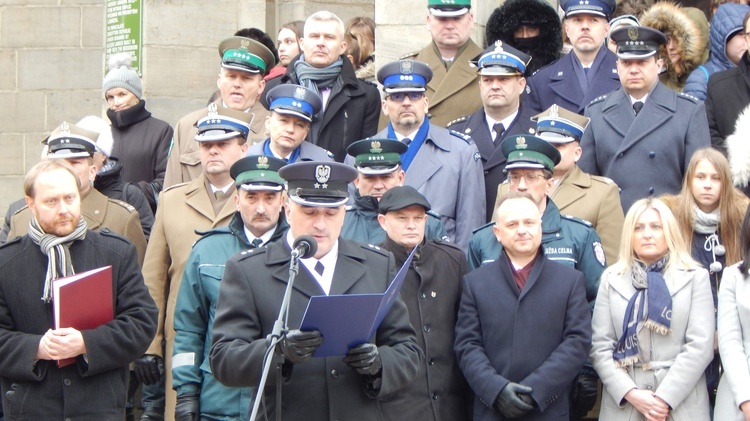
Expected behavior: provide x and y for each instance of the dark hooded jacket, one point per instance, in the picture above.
(726, 22)
(690, 28)
(514, 13)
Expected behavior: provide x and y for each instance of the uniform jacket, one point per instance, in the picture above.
(678, 359)
(565, 239)
(184, 163)
(194, 316)
(99, 211)
(321, 388)
(493, 160)
(141, 143)
(183, 210)
(452, 92)
(734, 344)
(361, 222)
(558, 84)
(502, 336)
(592, 198)
(725, 22)
(447, 171)
(93, 389)
(111, 184)
(307, 151)
(431, 291)
(645, 155)
(12, 208)
(351, 114)
(727, 95)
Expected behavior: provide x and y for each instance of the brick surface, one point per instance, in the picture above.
(92, 33)
(13, 150)
(72, 105)
(46, 27)
(7, 70)
(23, 112)
(189, 23)
(60, 69)
(180, 71)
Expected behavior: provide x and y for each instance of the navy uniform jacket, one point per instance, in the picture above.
(322, 388)
(194, 315)
(538, 337)
(361, 222)
(307, 151)
(558, 83)
(565, 239)
(493, 160)
(447, 171)
(645, 155)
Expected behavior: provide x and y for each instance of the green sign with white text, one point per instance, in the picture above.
(124, 20)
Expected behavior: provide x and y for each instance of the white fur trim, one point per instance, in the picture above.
(738, 150)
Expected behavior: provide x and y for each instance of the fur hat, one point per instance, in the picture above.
(105, 141)
(122, 75)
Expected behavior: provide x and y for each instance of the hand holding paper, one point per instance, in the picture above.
(299, 345)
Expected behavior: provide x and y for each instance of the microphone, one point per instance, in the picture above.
(304, 247)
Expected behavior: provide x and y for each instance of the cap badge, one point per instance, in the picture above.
(375, 147)
(300, 93)
(499, 46)
(213, 109)
(553, 112)
(633, 33)
(521, 143)
(244, 44)
(65, 128)
(322, 174)
(263, 162)
(407, 67)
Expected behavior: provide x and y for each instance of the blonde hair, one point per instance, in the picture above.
(326, 16)
(679, 254)
(44, 166)
(362, 30)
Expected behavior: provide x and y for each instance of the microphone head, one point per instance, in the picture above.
(308, 243)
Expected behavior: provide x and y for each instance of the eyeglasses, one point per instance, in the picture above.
(530, 177)
(399, 96)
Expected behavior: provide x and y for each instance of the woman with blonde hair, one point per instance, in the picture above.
(709, 211)
(653, 324)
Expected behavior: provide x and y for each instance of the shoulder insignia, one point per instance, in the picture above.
(528, 88)
(688, 96)
(483, 227)
(599, 253)
(465, 137)
(578, 220)
(330, 155)
(349, 208)
(21, 210)
(409, 55)
(456, 121)
(374, 248)
(109, 233)
(125, 205)
(602, 179)
(174, 186)
(246, 254)
(598, 99)
(433, 214)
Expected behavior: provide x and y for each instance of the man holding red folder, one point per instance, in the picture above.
(60, 244)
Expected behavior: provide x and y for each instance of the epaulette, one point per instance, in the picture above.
(409, 55)
(109, 233)
(176, 185)
(128, 207)
(330, 155)
(21, 210)
(374, 248)
(598, 99)
(246, 254)
(602, 179)
(466, 138)
(434, 214)
(578, 220)
(447, 242)
(350, 208)
(456, 121)
(688, 97)
(483, 227)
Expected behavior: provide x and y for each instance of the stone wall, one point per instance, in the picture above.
(52, 58)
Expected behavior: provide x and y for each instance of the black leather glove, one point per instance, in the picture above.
(187, 407)
(298, 345)
(514, 400)
(364, 358)
(149, 369)
(583, 395)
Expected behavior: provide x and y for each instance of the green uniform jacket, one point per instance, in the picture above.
(361, 223)
(194, 316)
(567, 240)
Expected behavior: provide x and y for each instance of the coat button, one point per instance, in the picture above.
(434, 396)
(649, 387)
(422, 295)
(66, 382)
(486, 172)
(651, 154)
(622, 154)
(651, 190)
(334, 374)
(431, 361)
(426, 328)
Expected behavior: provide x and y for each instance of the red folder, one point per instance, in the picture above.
(83, 301)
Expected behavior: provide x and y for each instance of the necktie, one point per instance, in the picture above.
(499, 129)
(218, 194)
(256, 243)
(406, 141)
(319, 268)
(637, 107)
(586, 70)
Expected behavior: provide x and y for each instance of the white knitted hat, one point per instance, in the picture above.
(122, 75)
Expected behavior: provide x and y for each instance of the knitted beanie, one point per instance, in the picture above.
(122, 75)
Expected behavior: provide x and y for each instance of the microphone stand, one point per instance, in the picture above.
(278, 333)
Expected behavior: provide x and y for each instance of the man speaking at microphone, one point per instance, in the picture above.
(252, 290)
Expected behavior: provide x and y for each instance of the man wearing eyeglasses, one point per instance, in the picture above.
(444, 166)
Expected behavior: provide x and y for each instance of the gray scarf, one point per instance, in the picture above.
(705, 223)
(57, 250)
(316, 78)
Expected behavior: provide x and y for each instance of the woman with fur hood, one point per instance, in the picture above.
(687, 40)
(537, 15)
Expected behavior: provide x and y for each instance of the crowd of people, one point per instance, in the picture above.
(569, 205)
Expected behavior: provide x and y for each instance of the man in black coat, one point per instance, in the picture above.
(59, 244)
(351, 107)
(252, 289)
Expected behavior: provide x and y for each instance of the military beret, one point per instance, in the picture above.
(257, 172)
(245, 54)
(448, 8)
(558, 125)
(500, 60)
(376, 156)
(401, 197)
(71, 141)
(223, 123)
(319, 184)
(637, 42)
(525, 151)
(589, 7)
(294, 100)
(404, 76)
